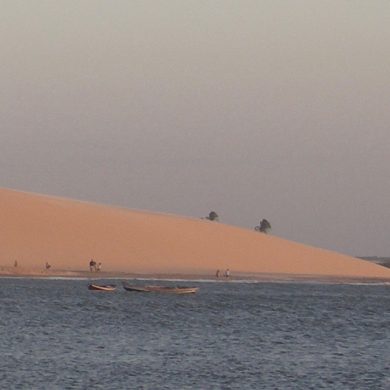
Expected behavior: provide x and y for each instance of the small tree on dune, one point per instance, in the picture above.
(213, 216)
(263, 227)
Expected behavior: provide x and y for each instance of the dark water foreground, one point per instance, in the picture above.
(56, 334)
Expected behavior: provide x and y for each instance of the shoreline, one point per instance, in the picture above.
(10, 272)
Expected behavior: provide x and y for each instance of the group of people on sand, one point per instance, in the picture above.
(226, 274)
(94, 267)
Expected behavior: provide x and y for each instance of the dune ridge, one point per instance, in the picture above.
(67, 233)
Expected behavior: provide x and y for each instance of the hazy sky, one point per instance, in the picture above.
(254, 109)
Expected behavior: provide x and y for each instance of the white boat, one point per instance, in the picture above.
(99, 287)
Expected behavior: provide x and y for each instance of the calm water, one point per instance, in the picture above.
(56, 334)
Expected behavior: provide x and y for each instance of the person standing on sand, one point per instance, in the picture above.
(92, 265)
(227, 273)
(99, 267)
(217, 274)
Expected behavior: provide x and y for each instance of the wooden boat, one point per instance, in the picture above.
(136, 288)
(99, 287)
(162, 289)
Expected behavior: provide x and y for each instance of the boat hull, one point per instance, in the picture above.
(162, 289)
(97, 287)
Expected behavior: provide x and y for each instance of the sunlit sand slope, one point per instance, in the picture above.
(67, 234)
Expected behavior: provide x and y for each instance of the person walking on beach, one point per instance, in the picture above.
(227, 273)
(92, 265)
(217, 274)
(99, 267)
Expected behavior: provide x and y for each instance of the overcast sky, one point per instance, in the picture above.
(254, 109)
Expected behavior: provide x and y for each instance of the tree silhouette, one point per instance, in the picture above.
(213, 216)
(263, 227)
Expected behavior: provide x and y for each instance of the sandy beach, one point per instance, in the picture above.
(67, 234)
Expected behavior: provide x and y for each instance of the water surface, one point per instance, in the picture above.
(56, 334)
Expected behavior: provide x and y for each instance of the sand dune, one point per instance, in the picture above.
(67, 234)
